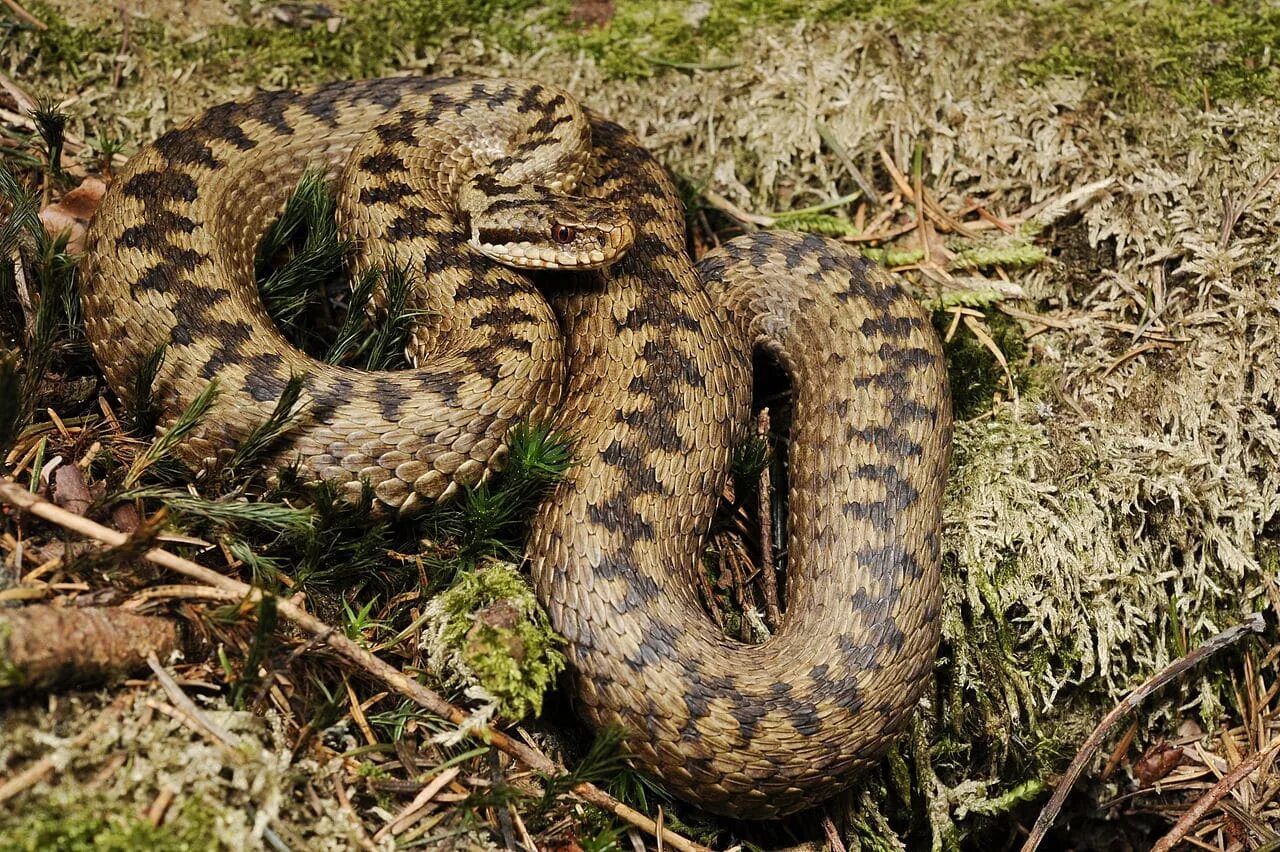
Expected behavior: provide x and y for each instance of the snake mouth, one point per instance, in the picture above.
(594, 248)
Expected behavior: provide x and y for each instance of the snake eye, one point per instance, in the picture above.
(563, 234)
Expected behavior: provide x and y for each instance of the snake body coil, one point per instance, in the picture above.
(450, 176)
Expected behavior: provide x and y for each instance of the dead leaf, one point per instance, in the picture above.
(1157, 762)
(70, 491)
(125, 517)
(591, 14)
(73, 212)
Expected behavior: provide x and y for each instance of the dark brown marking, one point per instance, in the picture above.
(263, 381)
(388, 193)
(502, 236)
(158, 186)
(390, 397)
(155, 230)
(382, 163)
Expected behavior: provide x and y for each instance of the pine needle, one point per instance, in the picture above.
(145, 411)
(263, 437)
(11, 405)
(51, 124)
(385, 349)
(355, 324)
(164, 444)
(489, 520)
(273, 517)
(306, 234)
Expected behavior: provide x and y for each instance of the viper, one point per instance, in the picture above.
(642, 356)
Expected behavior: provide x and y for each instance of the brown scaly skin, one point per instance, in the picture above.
(656, 390)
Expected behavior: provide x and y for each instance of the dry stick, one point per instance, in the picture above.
(833, 836)
(184, 703)
(345, 802)
(25, 15)
(16, 495)
(1130, 702)
(767, 573)
(1202, 805)
(724, 205)
(868, 189)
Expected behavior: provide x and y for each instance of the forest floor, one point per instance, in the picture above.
(1085, 194)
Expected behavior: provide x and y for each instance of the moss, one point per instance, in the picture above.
(976, 376)
(63, 48)
(104, 825)
(360, 46)
(369, 39)
(490, 630)
(1190, 49)
(1194, 50)
(646, 36)
(1013, 254)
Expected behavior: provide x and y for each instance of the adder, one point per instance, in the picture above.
(642, 355)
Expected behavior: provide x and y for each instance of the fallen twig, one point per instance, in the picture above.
(1170, 672)
(926, 205)
(1140, 349)
(833, 836)
(768, 575)
(24, 15)
(415, 810)
(868, 190)
(1214, 795)
(724, 205)
(15, 495)
(188, 707)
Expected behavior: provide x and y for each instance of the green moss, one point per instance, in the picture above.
(1014, 254)
(63, 49)
(1189, 49)
(102, 825)
(489, 628)
(1222, 50)
(976, 376)
(649, 35)
(371, 38)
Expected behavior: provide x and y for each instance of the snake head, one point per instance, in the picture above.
(540, 230)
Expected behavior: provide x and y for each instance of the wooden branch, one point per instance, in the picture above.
(15, 495)
(768, 573)
(24, 15)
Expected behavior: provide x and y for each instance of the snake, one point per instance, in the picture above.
(549, 255)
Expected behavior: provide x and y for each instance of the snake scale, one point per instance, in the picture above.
(644, 357)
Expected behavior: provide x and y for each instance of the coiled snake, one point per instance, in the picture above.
(645, 360)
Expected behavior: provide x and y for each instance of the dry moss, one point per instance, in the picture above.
(101, 787)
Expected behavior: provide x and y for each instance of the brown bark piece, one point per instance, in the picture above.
(46, 646)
